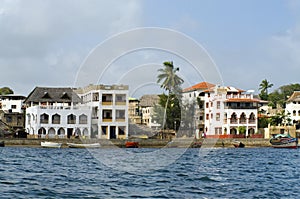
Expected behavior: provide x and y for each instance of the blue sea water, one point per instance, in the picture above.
(217, 173)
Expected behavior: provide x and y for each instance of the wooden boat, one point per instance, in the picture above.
(2, 144)
(238, 144)
(284, 141)
(51, 144)
(132, 144)
(92, 145)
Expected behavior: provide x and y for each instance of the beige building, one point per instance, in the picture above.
(109, 105)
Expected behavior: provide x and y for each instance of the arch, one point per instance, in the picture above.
(251, 131)
(252, 118)
(233, 131)
(71, 119)
(233, 118)
(243, 119)
(56, 119)
(42, 132)
(85, 132)
(44, 118)
(61, 131)
(51, 133)
(77, 132)
(83, 119)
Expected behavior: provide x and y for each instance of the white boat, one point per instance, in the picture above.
(51, 144)
(74, 145)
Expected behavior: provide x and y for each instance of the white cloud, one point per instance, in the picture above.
(45, 41)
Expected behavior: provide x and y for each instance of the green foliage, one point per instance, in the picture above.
(263, 87)
(280, 95)
(168, 78)
(6, 91)
(280, 118)
(173, 111)
(171, 82)
(263, 122)
(242, 129)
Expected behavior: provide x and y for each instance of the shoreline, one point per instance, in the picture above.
(145, 143)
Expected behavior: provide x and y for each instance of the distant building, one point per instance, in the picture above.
(12, 111)
(12, 103)
(56, 113)
(147, 103)
(109, 109)
(134, 112)
(293, 107)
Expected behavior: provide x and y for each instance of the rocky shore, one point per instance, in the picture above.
(146, 143)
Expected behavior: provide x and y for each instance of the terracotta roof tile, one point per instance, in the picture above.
(199, 86)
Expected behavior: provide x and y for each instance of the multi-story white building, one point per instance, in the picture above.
(109, 104)
(147, 103)
(56, 112)
(293, 106)
(223, 110)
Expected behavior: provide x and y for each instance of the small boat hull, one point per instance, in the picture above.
(238, 144)
(132, 145)
(93, 145)
(284, 141)
(51, 145)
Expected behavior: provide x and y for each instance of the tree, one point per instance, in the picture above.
(170, 82)
(280, 118)
(280, 95)
(6, 91)
(263, 87)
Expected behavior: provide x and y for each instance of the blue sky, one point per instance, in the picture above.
(44, 43)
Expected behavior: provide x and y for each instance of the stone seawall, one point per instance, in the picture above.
(150, 143)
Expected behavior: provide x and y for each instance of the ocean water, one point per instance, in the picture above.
(197, 173)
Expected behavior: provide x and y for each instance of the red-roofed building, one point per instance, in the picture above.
(222, 111)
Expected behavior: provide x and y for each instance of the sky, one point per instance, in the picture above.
(68, 43)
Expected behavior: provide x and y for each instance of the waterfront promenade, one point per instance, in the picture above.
(145, 143)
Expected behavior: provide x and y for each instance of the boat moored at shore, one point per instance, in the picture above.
(51, 144)
(238, 144)
(92, 145)
(284, 141)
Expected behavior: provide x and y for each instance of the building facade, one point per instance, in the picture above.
(56, 113)
(12, 111)
(222, 110)
(147, 103)
(109, 105)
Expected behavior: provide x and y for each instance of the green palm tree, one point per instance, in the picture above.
(169, 81)
(263, 87)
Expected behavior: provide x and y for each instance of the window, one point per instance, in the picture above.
(218, 104)
(294, 113)
(120, 114)
(56, 119)
(218, 116)
(207, 116)
(13, 106)
(44, 119)
(207, 104)
(82, 119)
(71, 119)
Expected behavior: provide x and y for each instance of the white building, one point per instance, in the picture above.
(223, 110)
(293, 106)
(12, 103)
(147, 103)
(56, 112)
(109, 104)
